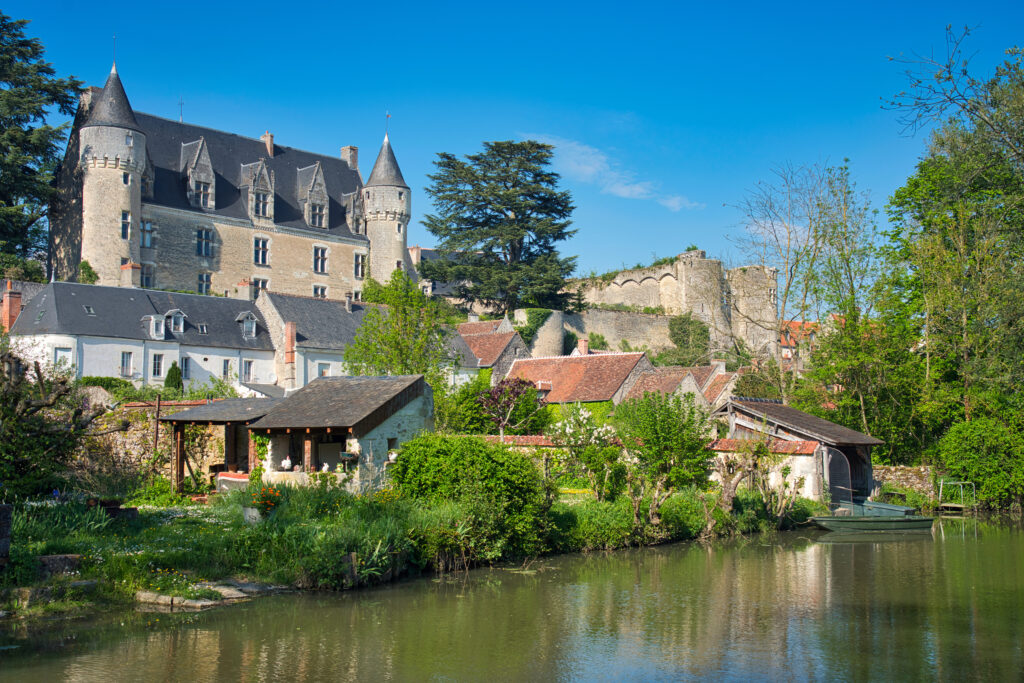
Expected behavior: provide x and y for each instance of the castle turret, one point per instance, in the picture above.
(386, 210)
(112, 161)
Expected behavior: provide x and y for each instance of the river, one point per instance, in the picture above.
(797, 606)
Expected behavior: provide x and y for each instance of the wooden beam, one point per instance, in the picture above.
(179, 457)
(307, 454)
(252, 452)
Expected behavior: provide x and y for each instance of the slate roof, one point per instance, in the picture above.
(717, 385)
(226, 410)
(385, 170)
(662, 380)
(228, 152)
(118, 312)
(578, 378)
(489, 347)
(319, 323)
(268, 390)
(27, 289)
(806, 424)
(777, 446)
(341, 402)
(460, 350)
(112, 107)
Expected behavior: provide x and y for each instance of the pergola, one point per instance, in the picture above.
(229, 413)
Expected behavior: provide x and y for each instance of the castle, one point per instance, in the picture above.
(161, 204)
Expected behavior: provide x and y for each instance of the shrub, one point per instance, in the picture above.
(987, 452)
(114, 385)
(173, 379)
(501, 489)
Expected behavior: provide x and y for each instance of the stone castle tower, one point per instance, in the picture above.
(113, 166)
(387, 208)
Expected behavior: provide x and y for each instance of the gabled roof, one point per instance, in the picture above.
(578, 378)
(342, 402)
(479, 327)
(717, 385)
(319, 323)
(661, 380)
(228, 153)
(120, 313)
(804, 423)
(489, 347)
(112, 107)
(226, 410)
(385, 170)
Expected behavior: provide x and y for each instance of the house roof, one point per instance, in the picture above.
(226, 410)
(489, 347)
(578, 378)
(342, 402)
(123, 312)
(717, 385)
(268, 390)
(24, 287)
(385, 170)
(112, 107)
(661, 380)
(460, 350)
(796, 331)
(228, 152)
(478, 327)
(776, 445)
(319, 323)
(804, 423)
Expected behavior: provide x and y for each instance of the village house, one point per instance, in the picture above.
(711, 385)
(137, 334)
(494, 344)
(344, 425)
(582, 379)
(832, 460)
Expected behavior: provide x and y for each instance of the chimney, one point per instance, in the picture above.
(131, 275)
(268, 140)
(350, 155)
(348, 301)
(719, 366)
(474, 318)
(10, 308)
(289, 343)
(584, 346)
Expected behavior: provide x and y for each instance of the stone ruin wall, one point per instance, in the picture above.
(914, 478)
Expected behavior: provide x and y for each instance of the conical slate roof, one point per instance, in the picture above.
(111, 107)
(386, 171)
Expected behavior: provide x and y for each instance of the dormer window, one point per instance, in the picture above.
(316, 215)
(248, 321)
(203, 194)
(261, 204)
(156, 327)
(177, 321)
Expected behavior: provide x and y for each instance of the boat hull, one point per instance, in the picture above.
(865, 523)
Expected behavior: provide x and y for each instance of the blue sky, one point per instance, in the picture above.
(664, 115)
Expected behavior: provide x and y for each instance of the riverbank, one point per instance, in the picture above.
(314, 538)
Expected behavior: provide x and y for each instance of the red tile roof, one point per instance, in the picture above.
(717, 386)
(664, 380)
(479, 327)
(488, 347)
(578, 378)
(521, 440)
(796, 331)
(777, 446)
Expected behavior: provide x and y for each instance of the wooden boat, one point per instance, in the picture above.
(874, 523)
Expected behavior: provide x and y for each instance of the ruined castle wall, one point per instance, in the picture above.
(643, 287)
(639, 329)
(754, 313)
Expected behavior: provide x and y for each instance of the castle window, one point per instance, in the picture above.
(255, 287)
(126, 178)
(398, 265)
(357, 295)
(398, 227)
(203, 194)
(400, 194)
(316, 215)
(261, 204)
(260, 251)
(203, 286)
(147, 276)
(320, 259)
(319, 291)
(146, 235)
(367, 195)
(360, 266)
(129, 140)
(126, 224)
(158, 364)
(204, 242)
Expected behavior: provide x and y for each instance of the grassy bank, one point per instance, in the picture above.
(308, 539)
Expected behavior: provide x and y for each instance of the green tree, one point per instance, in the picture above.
(173, 379)
(667, 437)
(590, 446)
(19, 268)
(403, 337)
(29, 148)
(692, 339)
(498, 218)
(86, 274)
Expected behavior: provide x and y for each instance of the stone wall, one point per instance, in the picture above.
(638, 329)
(914, 478)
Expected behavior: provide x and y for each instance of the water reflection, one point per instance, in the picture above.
(938, 606)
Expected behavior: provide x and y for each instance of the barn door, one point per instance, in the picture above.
(840, 484)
